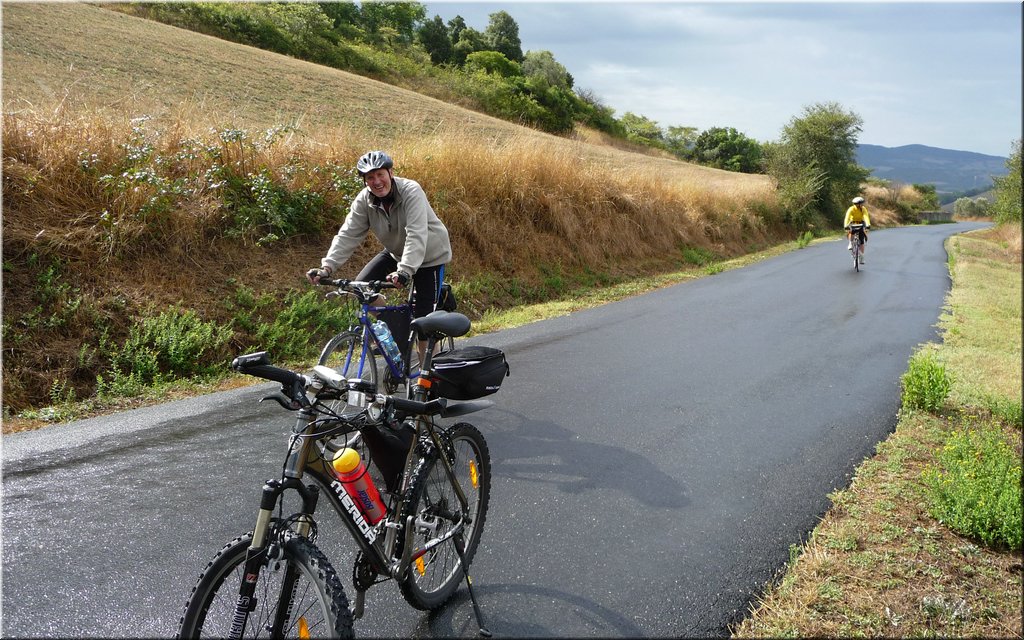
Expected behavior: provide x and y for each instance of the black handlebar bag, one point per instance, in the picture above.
(466, 373)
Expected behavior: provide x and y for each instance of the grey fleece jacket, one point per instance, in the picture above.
(412, 233)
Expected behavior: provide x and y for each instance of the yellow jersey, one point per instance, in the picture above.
(857, 213)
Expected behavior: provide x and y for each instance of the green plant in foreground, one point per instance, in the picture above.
(926, 384)
(804, 239)
(976, 487)
(174, 344)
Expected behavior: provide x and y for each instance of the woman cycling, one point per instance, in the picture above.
(857, 213)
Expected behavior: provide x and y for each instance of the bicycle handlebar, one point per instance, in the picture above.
(293, 386)
(374, 286)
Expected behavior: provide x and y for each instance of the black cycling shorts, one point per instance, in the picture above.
(425, 279)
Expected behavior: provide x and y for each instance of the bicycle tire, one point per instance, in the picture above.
(432, 580)
(341, 353)
(319, 597)
(856, 256)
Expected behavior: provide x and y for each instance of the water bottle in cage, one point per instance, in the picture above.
(380, 328)
(352, 473)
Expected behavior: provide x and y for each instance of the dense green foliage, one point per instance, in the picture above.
(1007, 206)
(727, 148)
(972, 207)
(976, 486)
(926, 383)
(814, 162)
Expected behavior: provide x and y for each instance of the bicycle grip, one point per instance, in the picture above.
(258, 365)
(431, 408)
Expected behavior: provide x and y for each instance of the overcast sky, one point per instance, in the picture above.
(940, 74)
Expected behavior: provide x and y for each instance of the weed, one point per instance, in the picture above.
(804, 239)
(976, 486)
(698, 256)
(926, 383)
(175, 343)
(302, 326)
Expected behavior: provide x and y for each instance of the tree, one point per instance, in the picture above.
(455, 28)
(399, 18)
(542, 64)
(972, 207)
(1007, 207)
(929, 196)
(433, 36)
(642, 130)
(818, 150)
(470, 41)
(595, 113)
(502, 35)
(492, 62)
(727, 148)
(345, 15)
(680, 141)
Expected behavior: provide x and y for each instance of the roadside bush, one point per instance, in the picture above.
(174, 344)
(295, 329)
(926, 384)
(976, 487)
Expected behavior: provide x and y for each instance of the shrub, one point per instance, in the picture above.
(299, 329)
(976, 487)
(926, 384)
(174, 344)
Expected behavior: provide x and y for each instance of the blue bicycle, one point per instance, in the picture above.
(354, 353)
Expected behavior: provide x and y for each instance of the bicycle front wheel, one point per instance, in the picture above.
(299, 591)
(345, 354)
(435, 507)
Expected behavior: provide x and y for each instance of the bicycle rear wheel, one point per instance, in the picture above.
(434, 505)
(344, 354)
(302, 580)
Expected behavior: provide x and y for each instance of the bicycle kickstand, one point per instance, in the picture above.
(459, 548)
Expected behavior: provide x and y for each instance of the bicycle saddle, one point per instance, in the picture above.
(444, 323)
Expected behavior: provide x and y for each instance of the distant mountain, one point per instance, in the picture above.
(950, 171)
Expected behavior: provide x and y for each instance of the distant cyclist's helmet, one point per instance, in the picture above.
(373, 160)
(858, 200)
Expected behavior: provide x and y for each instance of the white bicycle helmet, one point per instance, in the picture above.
(858, 200)
(373, 160)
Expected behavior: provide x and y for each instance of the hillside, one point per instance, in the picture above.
(86, 57)
(111, 220)
(950, 171)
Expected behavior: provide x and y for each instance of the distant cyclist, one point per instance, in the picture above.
(857, 213)
(416, 243)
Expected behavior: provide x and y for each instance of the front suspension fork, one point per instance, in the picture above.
(256, 554)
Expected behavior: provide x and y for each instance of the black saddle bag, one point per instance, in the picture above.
(465, 373)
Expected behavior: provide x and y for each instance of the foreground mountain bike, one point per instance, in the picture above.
(275, 582)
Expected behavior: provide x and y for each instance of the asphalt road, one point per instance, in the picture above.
(653, 461)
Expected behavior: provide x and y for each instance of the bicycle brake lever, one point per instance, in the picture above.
(282, 400)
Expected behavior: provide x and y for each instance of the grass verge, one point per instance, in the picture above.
(889, 558)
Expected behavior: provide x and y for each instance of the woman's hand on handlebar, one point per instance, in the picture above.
(314, 274)
(398, 278)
